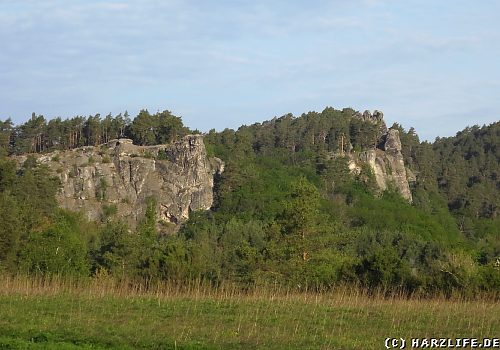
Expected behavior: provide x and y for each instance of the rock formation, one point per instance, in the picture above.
(117, 178)
(386, 160)
(376, 118)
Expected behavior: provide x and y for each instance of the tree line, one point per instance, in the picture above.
(38, 135)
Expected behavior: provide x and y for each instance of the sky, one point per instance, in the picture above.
(429, 64)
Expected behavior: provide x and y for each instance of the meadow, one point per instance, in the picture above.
(105, 314)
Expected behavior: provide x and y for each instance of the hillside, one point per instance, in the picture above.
(318, 200)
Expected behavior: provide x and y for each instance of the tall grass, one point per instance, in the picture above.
(198, 287)
(113, 313)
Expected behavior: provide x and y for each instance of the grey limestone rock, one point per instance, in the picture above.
(392, 142)
(122, 175)
(386, 161)
(376, 118)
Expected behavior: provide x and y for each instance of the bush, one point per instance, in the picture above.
(57, 250)
(106, 159)
(163, 155)
(100, 192)
(109, 210)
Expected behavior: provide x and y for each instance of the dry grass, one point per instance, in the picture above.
(110, 314)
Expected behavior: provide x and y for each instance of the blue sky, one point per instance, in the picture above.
(431, 64)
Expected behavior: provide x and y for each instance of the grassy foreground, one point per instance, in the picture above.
(38, 314)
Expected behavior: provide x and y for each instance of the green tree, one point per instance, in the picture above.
(30, 136)
(10, 231)
(170, 127)
(114, 250)
(301, 213)
(143, 129)
(7, 174)
(59, 249)
(6, 130)
(93, 130)
(147, 227)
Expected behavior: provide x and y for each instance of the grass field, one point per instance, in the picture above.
(37, 314)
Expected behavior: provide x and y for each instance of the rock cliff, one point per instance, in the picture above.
(385, 160)
(117, 178)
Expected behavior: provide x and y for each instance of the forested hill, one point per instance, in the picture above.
(462, 169)
(469, 173)
(299, 203)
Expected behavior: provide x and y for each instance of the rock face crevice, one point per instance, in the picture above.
(120, 177)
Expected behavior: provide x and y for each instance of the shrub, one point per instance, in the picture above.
(101, 189)
(109, 211)
(57, 250)
(74, 171)
(162, 155)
